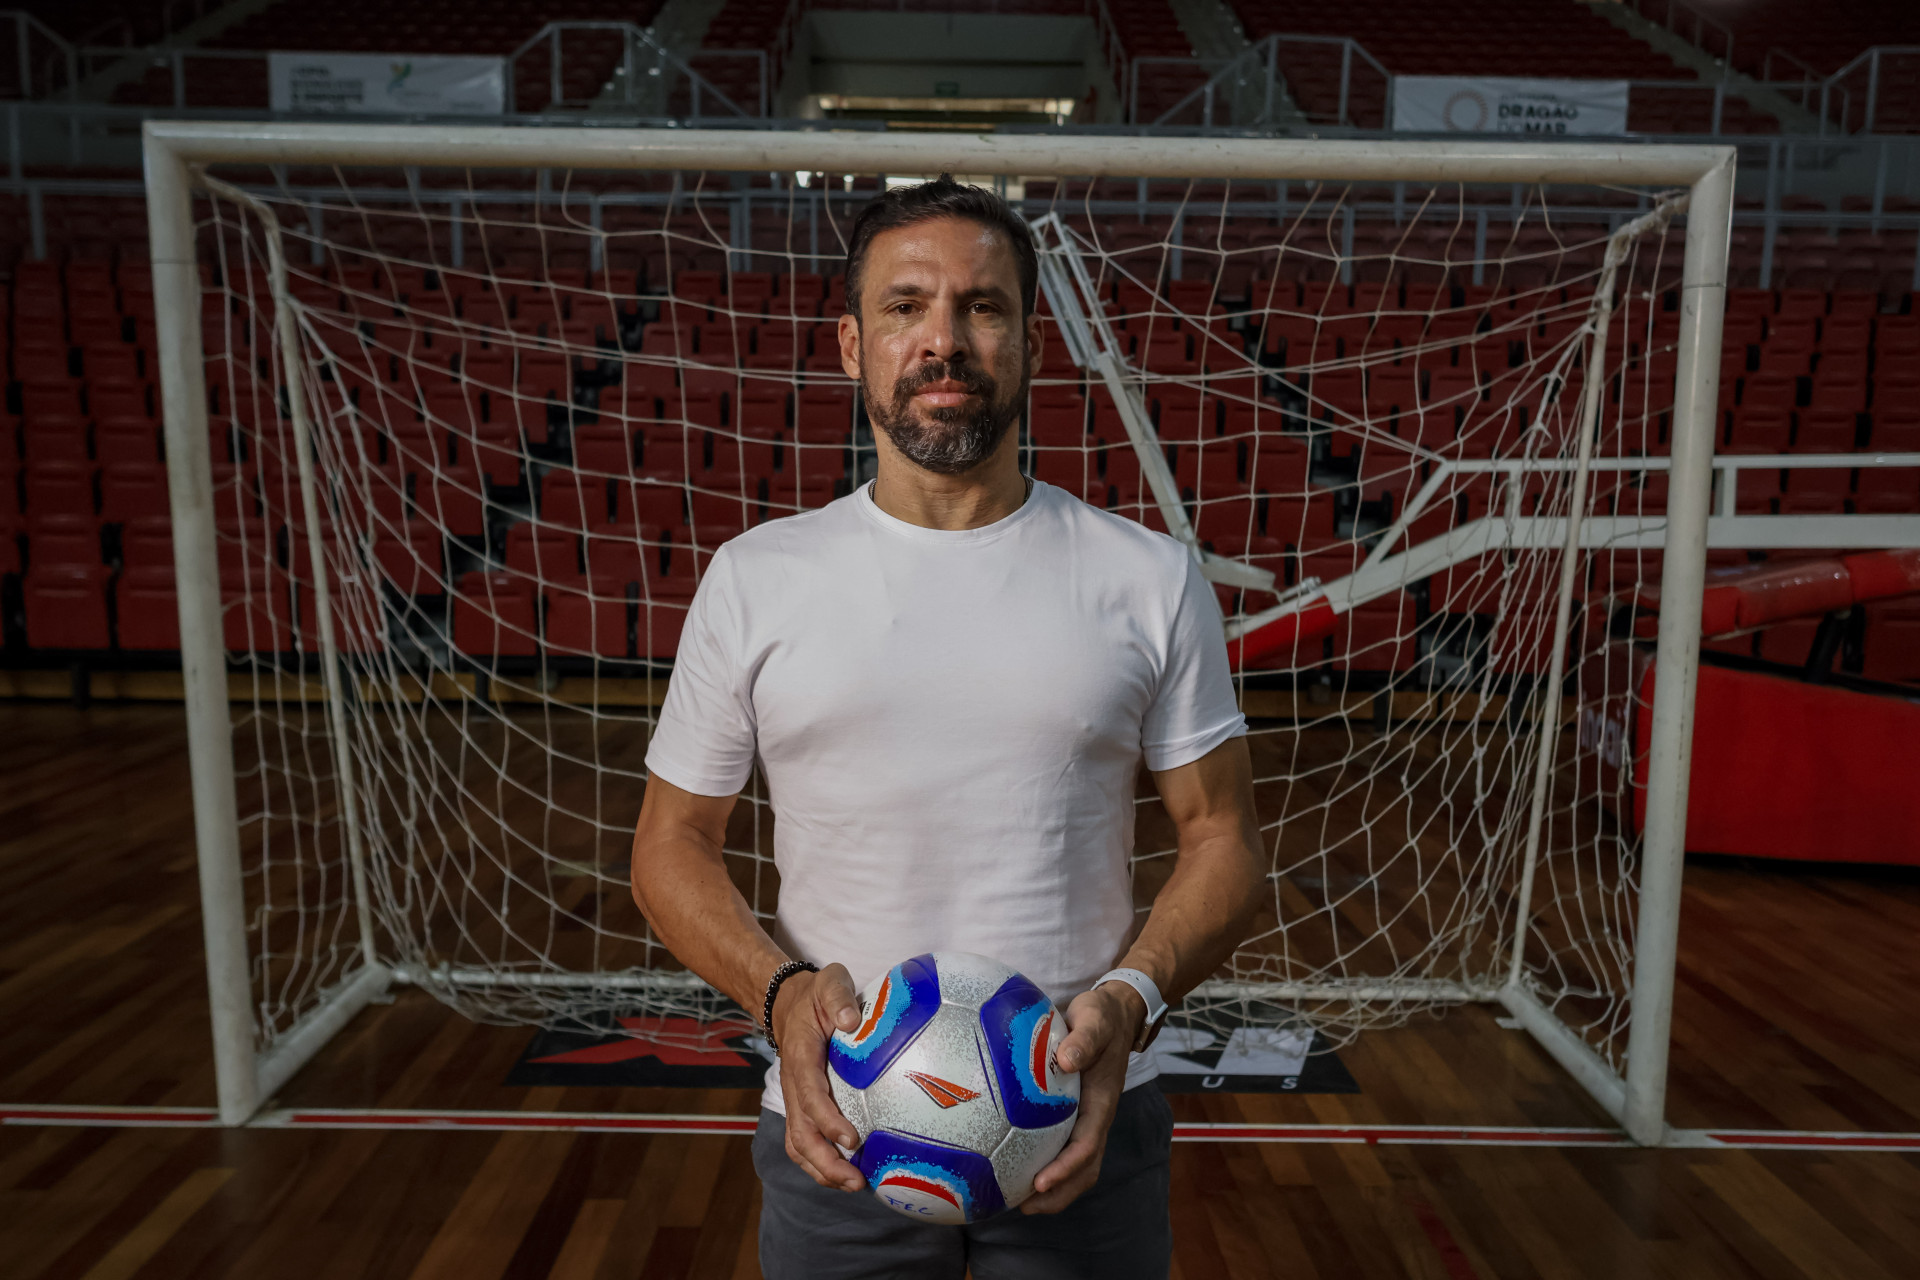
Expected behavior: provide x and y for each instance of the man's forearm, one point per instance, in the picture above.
(1200, 915)
(680, 884)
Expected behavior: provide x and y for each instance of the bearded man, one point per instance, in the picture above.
(951, 678)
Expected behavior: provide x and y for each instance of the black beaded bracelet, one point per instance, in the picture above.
(780, 975)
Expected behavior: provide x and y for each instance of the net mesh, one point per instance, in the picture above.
(538, 402)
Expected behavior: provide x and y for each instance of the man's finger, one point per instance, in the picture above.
(836, 998)
(1063, 1195)
(825, 1158)
(1073, 1158)
(824, 1112)
(1087, 1036)
(1067, 1175)
(806, 1166)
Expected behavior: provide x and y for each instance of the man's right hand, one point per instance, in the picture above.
(810, 1008)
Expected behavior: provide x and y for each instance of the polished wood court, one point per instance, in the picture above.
(1795, 1009)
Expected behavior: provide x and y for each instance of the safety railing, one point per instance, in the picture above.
(1851, 99)
(1792, 78)
(41, 63)
(645, 78)
(1253, 88)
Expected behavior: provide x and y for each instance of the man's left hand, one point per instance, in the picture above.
(1102, 1025)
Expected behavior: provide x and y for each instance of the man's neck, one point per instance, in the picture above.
(992, 491)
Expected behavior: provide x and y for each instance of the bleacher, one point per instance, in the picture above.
(510, 489)
(1481, 37)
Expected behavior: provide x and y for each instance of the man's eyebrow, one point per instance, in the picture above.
(906, 290)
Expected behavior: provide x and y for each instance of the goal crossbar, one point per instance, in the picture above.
(176, 152)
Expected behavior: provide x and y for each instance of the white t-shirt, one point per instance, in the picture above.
(950, 725)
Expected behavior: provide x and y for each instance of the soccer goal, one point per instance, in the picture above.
(455, 418)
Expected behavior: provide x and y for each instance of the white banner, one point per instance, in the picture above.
(388, 84)
(1508, 104)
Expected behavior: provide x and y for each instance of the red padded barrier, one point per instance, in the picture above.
(1783, 769)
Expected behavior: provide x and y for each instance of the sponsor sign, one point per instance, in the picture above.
(1508, 104)
(387, 84)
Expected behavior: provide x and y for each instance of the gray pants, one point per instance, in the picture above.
(1118, 1230)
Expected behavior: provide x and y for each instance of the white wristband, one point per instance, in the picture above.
(1149, 991)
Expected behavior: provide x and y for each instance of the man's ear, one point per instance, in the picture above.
(1036, 340)
(849, 335)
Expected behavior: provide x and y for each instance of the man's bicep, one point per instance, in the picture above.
(667, 810)
(1213, 792)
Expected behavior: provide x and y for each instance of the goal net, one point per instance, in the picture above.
(475, 434)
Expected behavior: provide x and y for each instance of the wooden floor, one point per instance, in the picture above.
(1796, 1009)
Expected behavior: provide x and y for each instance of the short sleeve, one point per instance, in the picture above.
(1194, 709)
(705, 740)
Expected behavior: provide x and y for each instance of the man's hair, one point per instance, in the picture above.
(941, 198)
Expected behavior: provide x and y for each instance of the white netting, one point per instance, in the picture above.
(538, 403)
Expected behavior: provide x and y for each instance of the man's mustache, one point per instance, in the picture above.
(975, 379)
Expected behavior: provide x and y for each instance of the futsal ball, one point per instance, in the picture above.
(951, 1081)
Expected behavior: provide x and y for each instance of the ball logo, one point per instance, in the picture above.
(1040, 1057)
(926, 1192)
(944, 1092)
(873, 1016)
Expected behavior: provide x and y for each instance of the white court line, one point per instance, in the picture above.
(731, 1126)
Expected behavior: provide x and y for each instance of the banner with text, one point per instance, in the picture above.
(1508, 104)
(387, 84)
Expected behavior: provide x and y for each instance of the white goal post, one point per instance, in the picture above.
(178, 156)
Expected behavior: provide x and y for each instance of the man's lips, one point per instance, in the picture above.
(944, 393)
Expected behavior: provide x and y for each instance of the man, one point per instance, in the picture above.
(951, 678)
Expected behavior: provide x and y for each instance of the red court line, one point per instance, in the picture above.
(729, 1126)
(111, 1117)
(1775, 1139)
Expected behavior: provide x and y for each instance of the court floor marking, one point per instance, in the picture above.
(725, 1126)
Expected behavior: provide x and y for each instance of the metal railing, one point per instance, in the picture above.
(1869, 74)
(1803, 88)
(647, 76)
(43, 62)
(1250, 89)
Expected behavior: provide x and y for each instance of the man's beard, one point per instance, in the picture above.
(957, 439)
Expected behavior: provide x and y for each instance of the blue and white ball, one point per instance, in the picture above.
(952, 1083)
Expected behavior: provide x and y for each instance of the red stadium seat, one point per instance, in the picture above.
(587, 618)
(494, 615)
(663, 612)
(452, 498)
(147, 608)
(132, 491)
(66, 606)
(575, 500)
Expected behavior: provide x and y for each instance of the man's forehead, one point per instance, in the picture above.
(941, 245)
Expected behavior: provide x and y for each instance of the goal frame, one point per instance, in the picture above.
(175, 152)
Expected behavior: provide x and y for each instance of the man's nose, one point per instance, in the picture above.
(941, 337)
